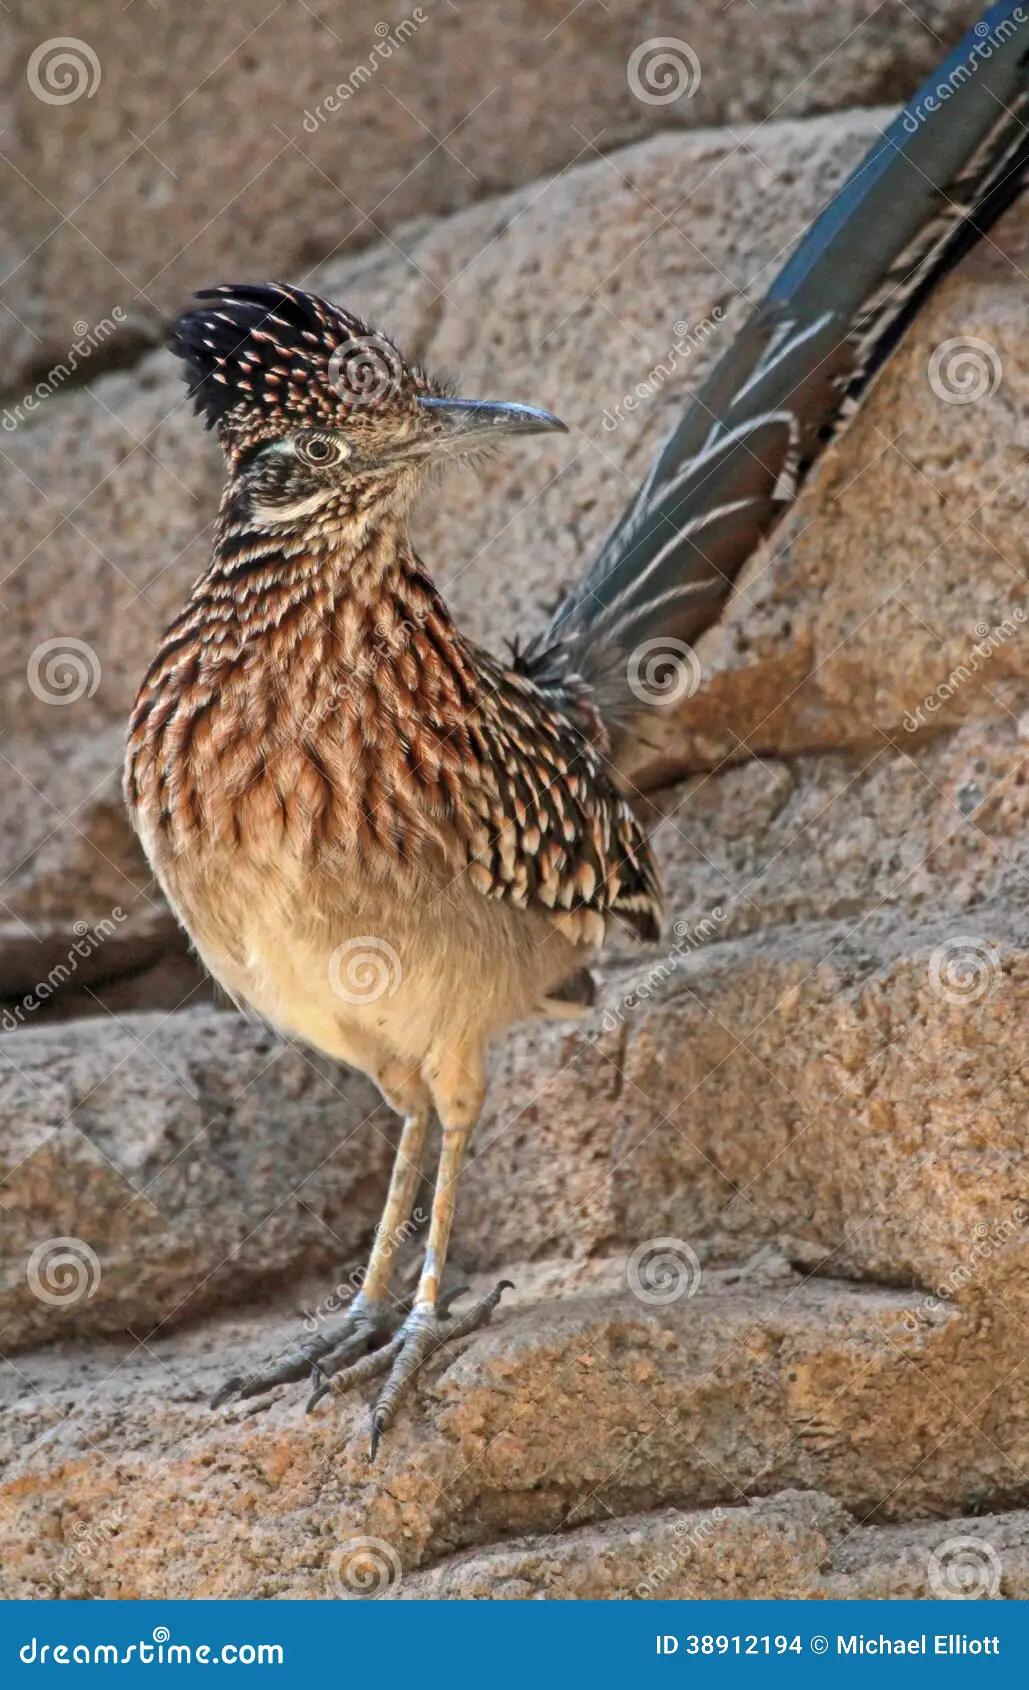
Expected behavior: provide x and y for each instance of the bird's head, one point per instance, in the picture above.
(316, 410)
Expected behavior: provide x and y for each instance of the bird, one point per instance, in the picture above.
(393, 844)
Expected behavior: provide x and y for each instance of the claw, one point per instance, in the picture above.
(291, 1367)
(419, 1338)
(358, 1372)
(339, 1342)
(229, 1389)
(333, 1362)
(378, 1427)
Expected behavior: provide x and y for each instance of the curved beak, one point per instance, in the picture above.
(463, 423)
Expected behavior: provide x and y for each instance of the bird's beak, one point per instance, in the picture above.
(462, 424)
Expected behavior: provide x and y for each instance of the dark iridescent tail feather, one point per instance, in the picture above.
(928, 191)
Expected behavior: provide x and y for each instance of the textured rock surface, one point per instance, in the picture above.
(544, 1427)
(111, 494)
(145, 185)
(161, 1141)
(766, 1206)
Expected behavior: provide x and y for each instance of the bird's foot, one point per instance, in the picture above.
(365, 1323)
(403, 1356)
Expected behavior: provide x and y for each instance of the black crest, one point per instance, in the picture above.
(265, 356)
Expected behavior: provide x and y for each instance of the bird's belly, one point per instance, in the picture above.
(364, 970)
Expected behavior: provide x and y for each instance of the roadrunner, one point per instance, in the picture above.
(385, 840)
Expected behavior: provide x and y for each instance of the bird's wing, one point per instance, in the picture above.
(549, 829)
(929, 189)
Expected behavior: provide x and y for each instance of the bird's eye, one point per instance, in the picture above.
(321, 449)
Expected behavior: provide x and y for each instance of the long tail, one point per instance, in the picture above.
(928, 190)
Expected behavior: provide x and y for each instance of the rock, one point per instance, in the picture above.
(795, 1545)
(80, 904)
(156, 1144)
(765, 1206)
(546, 1425)
(987, 1556)
(776, 1548)
(135, 188)
(110, 532)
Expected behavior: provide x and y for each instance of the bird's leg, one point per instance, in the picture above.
(456, 1077)
(369, 1315)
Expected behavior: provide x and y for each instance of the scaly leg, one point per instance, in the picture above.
(369, 1316)
(456, 1077)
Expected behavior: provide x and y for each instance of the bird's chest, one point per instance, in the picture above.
(302, 836)
(333, 755)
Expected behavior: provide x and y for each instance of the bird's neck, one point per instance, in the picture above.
(333, 571)
(319, 618)
(323, 663)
